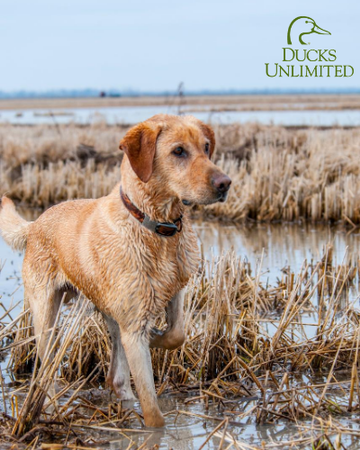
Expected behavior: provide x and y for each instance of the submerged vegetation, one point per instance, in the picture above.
(278, 173)
(254, 353)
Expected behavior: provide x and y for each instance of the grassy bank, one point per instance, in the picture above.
(254, 354)
(278, 173)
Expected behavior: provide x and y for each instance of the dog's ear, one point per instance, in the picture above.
(139, 144)
(209, 133)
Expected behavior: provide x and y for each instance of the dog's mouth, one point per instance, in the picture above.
(221, 198)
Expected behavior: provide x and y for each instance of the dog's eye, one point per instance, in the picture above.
(179, 151)
(207, 148)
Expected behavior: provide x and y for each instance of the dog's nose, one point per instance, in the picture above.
(221, 183)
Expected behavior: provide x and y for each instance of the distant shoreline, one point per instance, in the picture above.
(216, 103)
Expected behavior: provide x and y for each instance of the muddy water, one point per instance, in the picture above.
(268, 247)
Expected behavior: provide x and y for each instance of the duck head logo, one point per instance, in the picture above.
(304, 25)
(301, 61)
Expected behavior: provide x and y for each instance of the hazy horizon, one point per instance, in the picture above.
(88, 92)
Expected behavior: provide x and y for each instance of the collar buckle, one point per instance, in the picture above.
(164, 229)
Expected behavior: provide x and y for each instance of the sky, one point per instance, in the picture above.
(154, 45)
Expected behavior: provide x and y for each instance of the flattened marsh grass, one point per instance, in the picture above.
(230, 355)
(278, 173)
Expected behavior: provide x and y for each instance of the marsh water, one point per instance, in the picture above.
(134, 114)
(269, 249)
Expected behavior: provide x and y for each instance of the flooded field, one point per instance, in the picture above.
(131, 115)
(271, 358)
(271, 248)
(297, 110)
(207, 419)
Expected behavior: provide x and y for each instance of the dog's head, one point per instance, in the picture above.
(175, 152)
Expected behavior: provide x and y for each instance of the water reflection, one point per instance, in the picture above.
(135, 114)
(190, 431)
(280, 245)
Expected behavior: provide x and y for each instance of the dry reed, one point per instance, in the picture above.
(245, 342)
(278, 173)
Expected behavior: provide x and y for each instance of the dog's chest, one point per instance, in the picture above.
(168, 266)
(149, 270)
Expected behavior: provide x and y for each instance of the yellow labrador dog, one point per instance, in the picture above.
(131, 253)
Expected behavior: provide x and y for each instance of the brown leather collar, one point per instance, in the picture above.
(162, 228)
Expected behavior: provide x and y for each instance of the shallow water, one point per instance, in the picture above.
(132, 115)
(188, 422)
(268, 248)
(279, 245)
(188, 432)
(275, 246)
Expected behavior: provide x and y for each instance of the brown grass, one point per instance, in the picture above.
(229, 356)
(278, 173)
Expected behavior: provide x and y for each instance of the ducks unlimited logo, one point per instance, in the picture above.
(300, 31)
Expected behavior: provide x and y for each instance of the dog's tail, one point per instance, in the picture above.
(13, 228)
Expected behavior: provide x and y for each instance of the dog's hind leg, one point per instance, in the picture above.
(119, 373)
(44, 305)
(173, 336)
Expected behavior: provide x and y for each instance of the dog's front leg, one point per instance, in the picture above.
(137, 351)
(174, 335)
